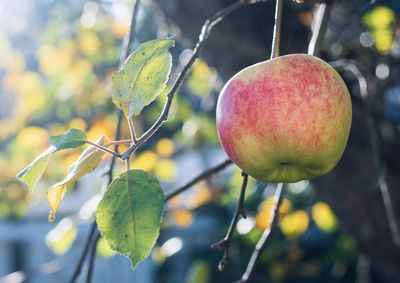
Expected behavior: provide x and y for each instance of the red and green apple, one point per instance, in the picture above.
(286, 119)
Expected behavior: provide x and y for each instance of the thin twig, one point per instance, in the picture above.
(239, 212)
(119, 142)
(78, 269)
(352, 67)
(92, 258)
(205, 33)
(276, 38)
(266, 236)
(128, 40)
(103, 148)
(204, 175)
(320, 25)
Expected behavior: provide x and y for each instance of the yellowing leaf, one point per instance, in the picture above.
(143, 76)
(324, 217)
(86, 163)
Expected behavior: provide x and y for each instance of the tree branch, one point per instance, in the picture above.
(321, 23)
(239, 212)
(104, 149)
(266, 236)
(204, 175)
(93, 230)
(352, 67)
(276, 38)
(92, 258)
(205, 33)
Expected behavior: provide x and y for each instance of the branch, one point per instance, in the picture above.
(276, 38)
(78, 268)
(205, 33)
(321, 23)
(266, 236)
(92, 258)
(124, 54)
(204, 175)
(352, 67)
(239, 212)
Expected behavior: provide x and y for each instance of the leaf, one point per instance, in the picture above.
(71, 139)
(86, 163)
(130, 213)
(143, 76)
(31, 174)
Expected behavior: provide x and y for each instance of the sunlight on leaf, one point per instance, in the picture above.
(143, 76)
(129, 215)
(86, 163)
(73, 138)
(34, 171)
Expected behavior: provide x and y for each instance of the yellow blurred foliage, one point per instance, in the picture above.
(202, 78)
(119, 28)
(78, 123)
(324, 217)
(89, 43)
(263, 215)
(34, 138)
(294, 224)
(165, 147)
(61, 238)
(201, 195)
(165, 170)
(146, 160)
(381, 22)
(104, 249)
(182, 217)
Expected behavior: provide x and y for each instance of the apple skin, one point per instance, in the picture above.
(286, 119)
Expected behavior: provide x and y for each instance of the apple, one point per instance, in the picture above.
(286, 119)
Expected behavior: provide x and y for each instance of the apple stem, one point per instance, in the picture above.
(239, 212)
(266, 236)
(276, 39)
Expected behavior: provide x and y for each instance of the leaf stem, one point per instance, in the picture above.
(103, 148)
(119, 142)
(132, 131)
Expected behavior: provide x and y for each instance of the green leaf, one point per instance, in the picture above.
(130, 213)
(32, 173)
(143, 76)
(71, 139)
(86, 163)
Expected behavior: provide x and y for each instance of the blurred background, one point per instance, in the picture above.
(56, 61)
